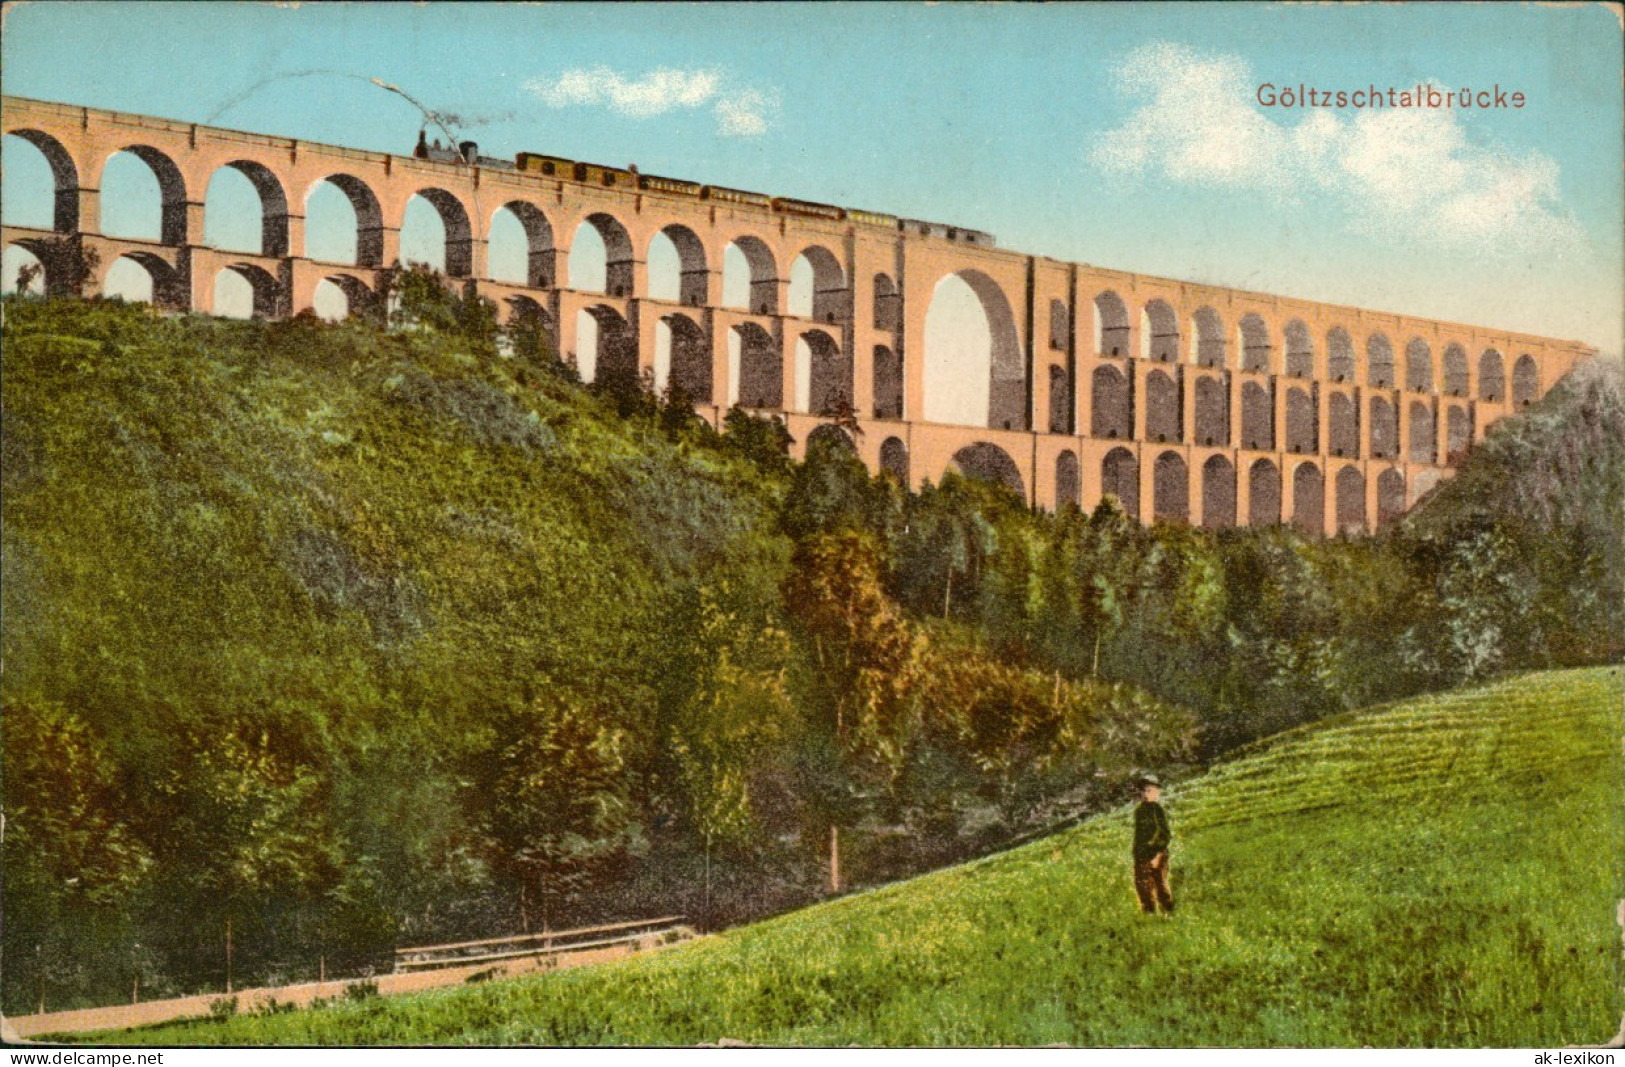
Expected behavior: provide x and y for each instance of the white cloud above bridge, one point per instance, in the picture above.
(1408, 175)
(740, 111)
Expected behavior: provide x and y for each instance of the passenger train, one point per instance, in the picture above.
(630, 178)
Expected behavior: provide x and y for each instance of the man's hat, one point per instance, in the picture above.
(1149, 779)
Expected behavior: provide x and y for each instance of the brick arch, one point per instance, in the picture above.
(888, 309)
(1379, 368)
(829, 374)
(1068, 480)
(1342, 425)
(1339, 355)
(1111, 407)
(1350, 500)
(459, 230)
(1159, 339)
(1212, 411)
(1390, 496)
(761, 367)
(1302, 421)
(693, 271)
(830, 300)
(1257, 417)
(619, 270)
(1120, 478)
(1218, 493)
(1492, 384)
(1308, 498)
(1384, 429)
(1456, 381)
(1424, 442)
(1060, 400)
(541, 255)
(269, 298)
(888, 383)
(1162, 421)
(763, 268)
(172, 193)
(168, 292)
(1525, 381)
(1458, 432)
(64, 176)
(1300, 350)
(688, 357)
(1418, 366)
(369, 215)
(273, 203)
(615, 358)
(1263, 494)
(990, 463)
(1255, 343)
(1060, 324)
(1111, 325)
(894, 459)
(1171, 488)
(1007, 372)
(57, 264)
(360, 298)
(1207, 329)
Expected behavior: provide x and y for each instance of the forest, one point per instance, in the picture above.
(323, 638)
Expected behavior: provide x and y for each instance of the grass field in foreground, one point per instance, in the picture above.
(1439, 872)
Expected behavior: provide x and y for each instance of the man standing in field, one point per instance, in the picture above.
(1151, 839)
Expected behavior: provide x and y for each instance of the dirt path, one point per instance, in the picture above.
(122, 1016)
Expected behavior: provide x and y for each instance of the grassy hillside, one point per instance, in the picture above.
(1439, 872)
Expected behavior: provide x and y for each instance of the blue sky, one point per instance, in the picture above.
(1125, 135)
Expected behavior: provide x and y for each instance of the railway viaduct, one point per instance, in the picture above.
(1188, 402)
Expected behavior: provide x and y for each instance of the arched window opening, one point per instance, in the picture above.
(1218, 493)
(750, 276)
(1350, 501)
(1160, 330)
(1263, 494)
(888, 370)
(1120, 478)
(520, 248)
(1255, 343)
(1170, 489)
(1300, 350)
(1060, 401)
(1418, 366)
(1379, 362)
(1302, 422)
(1209, 338)
(1111, 404)
(894, 459)
(1068, 481)
(1343, 425)
(1339, 355)
(1424, 437)
(1308, 499)
(1491, 376)
(1384, 429)
(1162, 408)
(1111, 325)
(1213, 411)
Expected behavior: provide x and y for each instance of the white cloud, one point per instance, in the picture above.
(739, 111)
(1408, 174)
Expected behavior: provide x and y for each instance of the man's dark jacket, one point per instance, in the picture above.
(1151, 832)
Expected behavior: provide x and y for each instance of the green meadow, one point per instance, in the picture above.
(1438, 872)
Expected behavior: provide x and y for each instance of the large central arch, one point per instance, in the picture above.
(973, 362)
(990, 463)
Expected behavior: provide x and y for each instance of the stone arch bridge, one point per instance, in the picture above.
(1188, 402)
